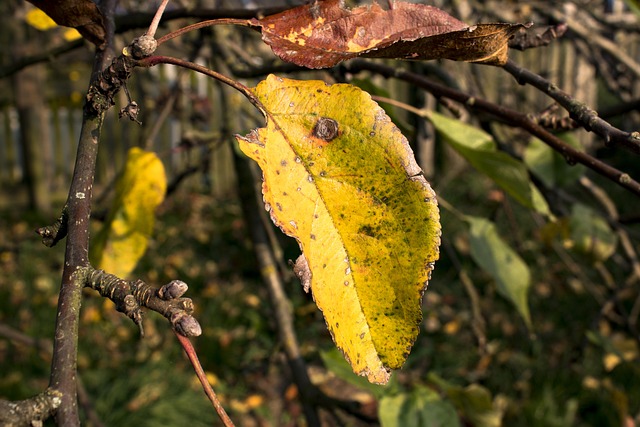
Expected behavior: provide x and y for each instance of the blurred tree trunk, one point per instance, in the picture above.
(35, 135)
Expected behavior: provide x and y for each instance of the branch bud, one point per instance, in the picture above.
(172, 290)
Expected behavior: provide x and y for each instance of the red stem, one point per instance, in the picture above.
(195, 362)
(155, 60)
(203, 24)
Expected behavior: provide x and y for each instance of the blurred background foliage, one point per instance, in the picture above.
(476, 361)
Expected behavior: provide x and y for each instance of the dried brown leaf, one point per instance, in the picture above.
(325, 33)
(83, 15)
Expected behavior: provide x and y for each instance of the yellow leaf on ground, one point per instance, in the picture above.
(340, 178)
(124, 237)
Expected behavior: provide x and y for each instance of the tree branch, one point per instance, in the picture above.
(130, 296)
(29, 412)
(580, 112)
(64, 361)
(52, 234)
(104, 85)
(509, 116)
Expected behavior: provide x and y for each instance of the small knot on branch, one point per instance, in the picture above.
(141, 47)
(130, 296)
(185, 325)
(172, 290)
(525, 40)
(30, 411)
(131, 111)
(52, 234)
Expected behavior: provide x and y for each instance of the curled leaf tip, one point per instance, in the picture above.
(323, 34)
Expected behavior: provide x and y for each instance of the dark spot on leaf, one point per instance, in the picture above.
(313, 237)
(326, 129)
(283, 163)
(367, 230)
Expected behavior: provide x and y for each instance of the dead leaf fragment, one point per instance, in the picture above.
(323, 34)
(83, 15)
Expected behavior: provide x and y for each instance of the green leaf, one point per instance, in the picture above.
(634, 5)
(335, 362)
(590, 234)
(474, 402)
(479, 149)
(422, 407)
(341, 179)
(124, 237)
(493, 255)
(549, 166)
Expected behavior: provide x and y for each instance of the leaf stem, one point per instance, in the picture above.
(197, 367)
(155, 60)
(203, 24)
(153, 27)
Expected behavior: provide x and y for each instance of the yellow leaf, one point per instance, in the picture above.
(39, 20)
(340, 178)
(124, 237)
(71, 34)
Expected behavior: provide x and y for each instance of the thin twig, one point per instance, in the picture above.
(130, 296)
(153, 27)
(509, 116)
(203, 24)
(155, 60)
(478, 324)
(592, 37)
(524, 41)
(202, 376)
(46, 346)
(580, 112)
(65, 345)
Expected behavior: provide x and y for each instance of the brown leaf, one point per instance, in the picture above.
(324, 33)
(83, 15)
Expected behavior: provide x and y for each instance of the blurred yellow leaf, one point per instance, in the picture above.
(124, 237)
(623, 350)
(71, 34)
(83, 15)
(254, 400)
(610, 361)
(39, 20)
(340, 178)
(452, 327)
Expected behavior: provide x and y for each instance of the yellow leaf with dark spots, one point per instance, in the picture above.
(123, 239)
(341, 178)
